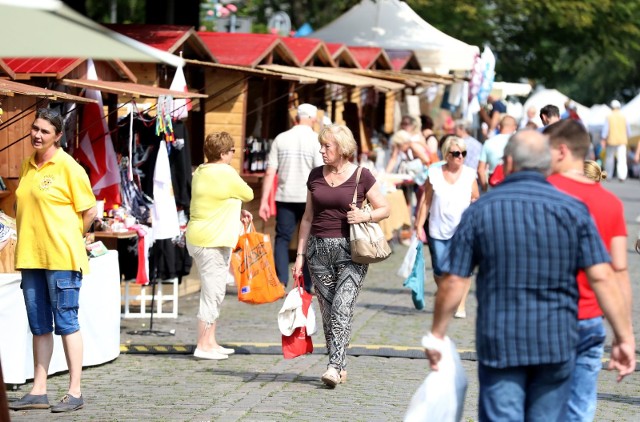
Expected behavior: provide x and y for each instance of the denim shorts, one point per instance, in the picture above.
(438, 248)
(52, 296)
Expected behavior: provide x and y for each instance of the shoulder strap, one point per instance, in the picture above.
(355, 192)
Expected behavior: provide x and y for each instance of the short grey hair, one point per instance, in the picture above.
(342, 136)
(529, 150)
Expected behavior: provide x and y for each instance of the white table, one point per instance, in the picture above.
(99, 318)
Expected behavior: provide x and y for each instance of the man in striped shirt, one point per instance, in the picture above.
(529, 240)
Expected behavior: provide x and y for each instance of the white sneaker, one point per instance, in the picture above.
(460, 314)
(224, 350)
(215, 355)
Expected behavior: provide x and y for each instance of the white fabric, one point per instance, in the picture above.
(165, 215)
(179, 106)
(294, 154)
(99, 318)
(392, 24)
(449, 201)
(291, 316)
(409, 258)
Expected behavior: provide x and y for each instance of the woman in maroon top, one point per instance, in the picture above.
(324, 240)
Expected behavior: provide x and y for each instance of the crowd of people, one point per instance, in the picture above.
(539, 334)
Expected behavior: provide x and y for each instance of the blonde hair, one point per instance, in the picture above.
(593, 171)
(343, 138)
(452, 140)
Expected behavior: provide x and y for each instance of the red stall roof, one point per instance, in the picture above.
(41, 66)
(341, 55)
(169, 38)
(27, 68)
(371, 57)
(403, 59)
(243, 49)
(309, 51)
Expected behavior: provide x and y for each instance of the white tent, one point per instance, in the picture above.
(392, 24)
(552, 96)
(48, 28)
(598, 115)
(631, 111)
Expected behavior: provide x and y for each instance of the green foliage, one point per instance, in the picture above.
(128, 11)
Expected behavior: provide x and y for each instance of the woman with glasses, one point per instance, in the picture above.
(449, 190)
(217, 194)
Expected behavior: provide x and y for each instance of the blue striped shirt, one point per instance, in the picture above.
(528, 240)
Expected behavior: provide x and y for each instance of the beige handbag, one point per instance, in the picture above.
(368, 244)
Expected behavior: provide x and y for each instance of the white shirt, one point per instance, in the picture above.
(449, 201)
(294, 154)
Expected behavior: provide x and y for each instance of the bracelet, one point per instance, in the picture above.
(301, 254)
(370, 217)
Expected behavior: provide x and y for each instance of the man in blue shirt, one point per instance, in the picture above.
(528, 241)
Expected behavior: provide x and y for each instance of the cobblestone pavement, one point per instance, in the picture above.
(262, 386)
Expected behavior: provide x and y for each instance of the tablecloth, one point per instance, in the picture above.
(99, 318)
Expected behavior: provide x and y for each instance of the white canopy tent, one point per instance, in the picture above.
(392, 24)
(48, 28)
(545, 97)
(631, 111)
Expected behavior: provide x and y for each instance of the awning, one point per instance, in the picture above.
(9, 88)
(69, 34)
(380, 84)
(336, 76)
(128, 89)
(386, 75)
(254, 72)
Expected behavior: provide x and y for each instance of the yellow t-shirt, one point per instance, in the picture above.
(217, 193)
(50, 202)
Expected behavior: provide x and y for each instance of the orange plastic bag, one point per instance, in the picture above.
(254, 268)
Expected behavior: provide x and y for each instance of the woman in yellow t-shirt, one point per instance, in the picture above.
(55, 208)
(217, 193)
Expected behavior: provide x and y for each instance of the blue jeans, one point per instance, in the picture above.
(525, 393)
(438, 248)
(288, 215)
(584, 385)
(52, 296)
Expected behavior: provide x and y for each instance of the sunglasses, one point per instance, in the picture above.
(457, 154)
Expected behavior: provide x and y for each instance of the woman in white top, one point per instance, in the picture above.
(449, 190)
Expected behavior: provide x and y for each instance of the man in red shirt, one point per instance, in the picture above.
(569, 146)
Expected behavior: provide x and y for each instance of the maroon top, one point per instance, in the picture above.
(331, 203)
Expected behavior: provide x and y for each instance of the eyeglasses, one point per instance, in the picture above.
(457, 154)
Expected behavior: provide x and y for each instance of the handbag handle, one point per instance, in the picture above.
(355, 192)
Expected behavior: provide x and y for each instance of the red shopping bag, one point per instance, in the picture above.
(254, 268)
(299, 342)
(497, 176)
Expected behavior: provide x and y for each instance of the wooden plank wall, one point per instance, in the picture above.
(11, 158)
(389, 110)
(226, 108)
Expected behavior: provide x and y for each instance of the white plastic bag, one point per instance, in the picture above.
(409, 258)
(440, 398)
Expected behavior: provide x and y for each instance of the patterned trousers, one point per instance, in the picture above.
(337, 281)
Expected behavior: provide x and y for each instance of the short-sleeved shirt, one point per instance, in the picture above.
(493, 150)
(50, 202)
(474, 149)
(331, 203)
(217, 194)
(608, 213)
(529, 240)
(293, 154)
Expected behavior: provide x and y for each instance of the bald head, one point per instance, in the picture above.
(528, 150)
(508, 125)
